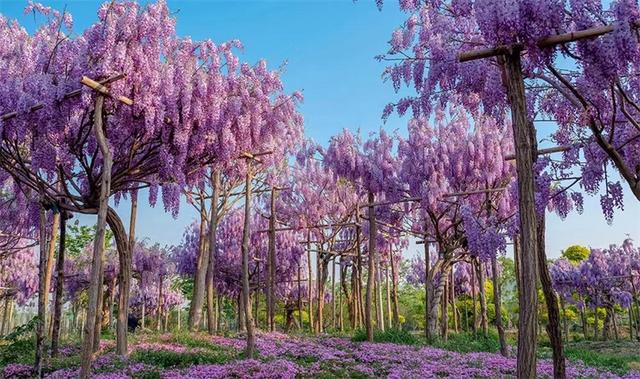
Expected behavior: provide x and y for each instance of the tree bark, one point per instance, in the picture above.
(55, 224)
(473, 298)
(309, 282)
(483, 297)
(271, 263)
(427, 303)
(396, 306)
(199, 283)
(452, 299)
(213, 247)
(388, 291)
(553, 327)
(525, 151)
(246, 234)
(436, 295)
(379, 302)
(497, 301)
(333, 294)
(42, 305)
(57, 306)
(372, 269)
(124, 247)
(444, 317)
(98, 243)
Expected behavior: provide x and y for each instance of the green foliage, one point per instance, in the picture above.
(393, 335)
(467, 342)
(576, 253)
(18, 346)
(79, 236)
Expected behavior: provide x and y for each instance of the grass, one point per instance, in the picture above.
(398, 336)
(616, 356)
(467, 342)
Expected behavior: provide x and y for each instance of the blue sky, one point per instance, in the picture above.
(329, 47)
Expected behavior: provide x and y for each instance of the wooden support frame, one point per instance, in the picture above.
(546, 42)
(101, 89)
(475, 192)
(546, 151)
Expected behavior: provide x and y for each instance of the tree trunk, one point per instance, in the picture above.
(199, 283)
(396, 306)
(388, 291)
(436, 295)
(473, 298)
(55, 224)
(525, 151)
(379, 301)
(300, 292)
(427, 292)
(565, 320)
(98, 243)
(42, 305)
(483, 297)
(57, 305)
(497, 304)
(444, 317)
(553, 327)
(100, 310)
(452, 299)
(372, 269)
(271, 263)
(124, 247)
(159, 305)
(5, 316)
(213, 247)
(309, 282)
(246, 234)
(333, 294)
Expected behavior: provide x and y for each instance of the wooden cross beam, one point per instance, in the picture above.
(320, 226)
(254, 156)
(68, 95)
(422, 242)
(389, 202)
(549, 41)
(549, 150)
(100, 88)
(474, 192)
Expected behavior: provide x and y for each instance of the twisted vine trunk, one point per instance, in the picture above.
(553, 327)
(436, 295)
(124, 247)
(271, 264)
(427, 290)
(98, 243)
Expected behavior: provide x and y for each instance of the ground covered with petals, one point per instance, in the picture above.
(171, 356)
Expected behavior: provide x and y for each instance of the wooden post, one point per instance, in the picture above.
(396, 306)
(42, 305)
(309, 282)
(246, 234)
(98, 244)
(388, 288)
(497, 305)
(271, 263)
(213, 243)
(372, 270)
(525, 149)
(300, 292)
(57, 306)
(199, 283)
(333, 294)
(553, 326)
(427, 302)
(358, 265)
(473, 298)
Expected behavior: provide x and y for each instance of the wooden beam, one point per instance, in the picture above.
(320, 226)
(389, 202)
(546, 151)
(100, 88)
(474, 192)
(67, 95)
(549, 41)
(421, 242)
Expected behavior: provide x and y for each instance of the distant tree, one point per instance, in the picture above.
(576, 253)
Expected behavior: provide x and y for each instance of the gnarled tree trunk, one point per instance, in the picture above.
(372, 270)
(213, 247)
(250, 351)
(497, 304)
(124, 247)
(57, 306)
(199, 283)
